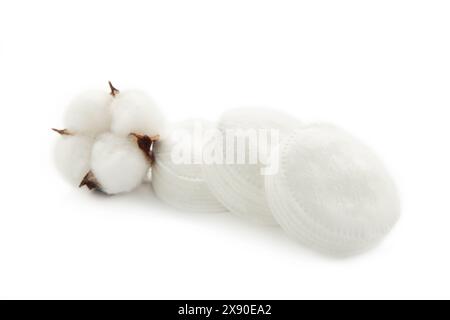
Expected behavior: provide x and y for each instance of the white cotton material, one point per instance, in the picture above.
(72, 156)
(117, 163)
(177, 174)
(332, 192)
(135, 112)
(240, 186)
(89, 113)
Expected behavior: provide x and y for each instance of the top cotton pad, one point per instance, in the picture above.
(332, 193)
(176, 172)
(239, 186)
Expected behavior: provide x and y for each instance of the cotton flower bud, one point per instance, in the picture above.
(89, 113)
(88, 154)
(117, 163)
(72, 154)
(134, 111)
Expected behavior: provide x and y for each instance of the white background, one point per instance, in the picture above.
(380, 69)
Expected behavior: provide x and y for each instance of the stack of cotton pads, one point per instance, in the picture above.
(177, 171)
(321, 185)
(240, 186)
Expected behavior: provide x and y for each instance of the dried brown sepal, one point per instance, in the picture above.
(155, 138)
(145, 143)
(90, 181)
(114, 91)
(63, 132)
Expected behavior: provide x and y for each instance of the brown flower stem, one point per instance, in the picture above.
(145, 143)
(63, 132)
(114, 91)
(90, 181)
(155, 138)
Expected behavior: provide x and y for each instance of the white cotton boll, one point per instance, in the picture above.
(117, 163)
(332, 193)
(72, 157)
(89, 113)
(135, 112)
(240, 186)
(177, 174)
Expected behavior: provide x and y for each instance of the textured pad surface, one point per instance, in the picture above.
(181, 185)
(240, 187)
(332, 192)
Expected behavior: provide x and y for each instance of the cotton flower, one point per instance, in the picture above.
(117, 164)
(72, 156)
(134, 111)
(90, 153)
(89, 113)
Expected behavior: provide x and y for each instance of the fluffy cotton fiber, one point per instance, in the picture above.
(89, 113)
(134, 111)
(117, 163)
(179, 182)
(332, 192)
(240, 187)
(72, 157)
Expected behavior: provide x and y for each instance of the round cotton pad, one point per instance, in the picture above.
(176, 173)
(238, 184)
(332, 192)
